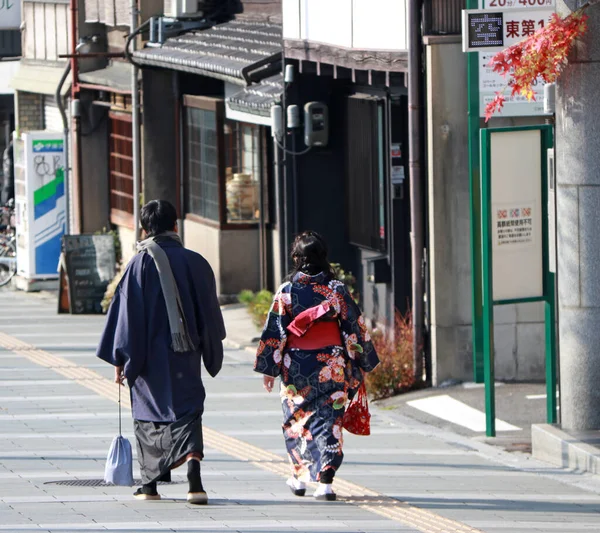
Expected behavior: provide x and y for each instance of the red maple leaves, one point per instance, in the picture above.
(541, 56)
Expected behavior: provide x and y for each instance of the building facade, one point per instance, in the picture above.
(355, 190)
(207, 145)
(207, 83)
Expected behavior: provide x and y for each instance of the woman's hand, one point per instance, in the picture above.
(119, 376)
(268, 383)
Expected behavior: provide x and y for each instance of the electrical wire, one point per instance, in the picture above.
(290, 152)
(130, 38)
(213, 18)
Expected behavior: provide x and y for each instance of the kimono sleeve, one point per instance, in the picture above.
(211, 327)
(354, 329)
(274, 336)
(123, 341)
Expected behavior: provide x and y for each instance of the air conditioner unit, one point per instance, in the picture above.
(181, 8)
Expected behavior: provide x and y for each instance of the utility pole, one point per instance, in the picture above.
(416, 181)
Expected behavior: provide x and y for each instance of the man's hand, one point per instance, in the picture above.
(268, 382)
(119, 376)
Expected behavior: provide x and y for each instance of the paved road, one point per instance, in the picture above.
(58, 415)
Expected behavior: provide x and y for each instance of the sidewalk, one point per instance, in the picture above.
(58, 415)
(241, 331)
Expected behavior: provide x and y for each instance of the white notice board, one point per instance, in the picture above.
(521, 19)
(516, 214)
(491, 82)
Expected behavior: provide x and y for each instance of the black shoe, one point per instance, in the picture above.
(196, 493)
(147, 492)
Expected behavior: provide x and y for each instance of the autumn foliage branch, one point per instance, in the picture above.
(540, 57)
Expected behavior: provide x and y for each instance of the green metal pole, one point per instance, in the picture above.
(475, 208)
(488, 296)
(549, 289)
(551, 379)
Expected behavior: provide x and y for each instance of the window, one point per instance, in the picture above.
(242, 171)
(223, 164)
(202, 163)
(365, 172)
(121, 169)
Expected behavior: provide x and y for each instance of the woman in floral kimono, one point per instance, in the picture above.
(316, 340)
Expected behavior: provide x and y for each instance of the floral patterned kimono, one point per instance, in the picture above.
(315, 384)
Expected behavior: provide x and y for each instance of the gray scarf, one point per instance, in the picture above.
(180, 336)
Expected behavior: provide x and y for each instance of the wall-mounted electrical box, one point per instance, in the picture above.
(316, 124)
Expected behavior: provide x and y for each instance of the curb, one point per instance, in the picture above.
(557, 447)
(522, 462)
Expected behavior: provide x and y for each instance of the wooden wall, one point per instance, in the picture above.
(46, 33)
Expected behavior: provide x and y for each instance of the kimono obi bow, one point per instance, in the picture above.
(310, 331)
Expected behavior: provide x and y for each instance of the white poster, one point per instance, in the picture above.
(513, 226)
(10, 14)
(397, 174)
(491, 82)
(517, 247)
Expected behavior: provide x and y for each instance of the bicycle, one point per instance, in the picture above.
(8, 244)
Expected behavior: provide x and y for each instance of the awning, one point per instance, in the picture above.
(115, 77)
(39, 79)
(253, 103)
(239, 51)
(7, 71)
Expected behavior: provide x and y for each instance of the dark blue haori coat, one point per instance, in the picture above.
(165, 386)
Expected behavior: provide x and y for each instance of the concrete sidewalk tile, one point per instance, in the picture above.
(453, 477)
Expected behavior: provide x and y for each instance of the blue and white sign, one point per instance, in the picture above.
(40, 202)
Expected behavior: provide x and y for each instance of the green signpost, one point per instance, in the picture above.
(515, 240)
(475, 192)
(488, 246)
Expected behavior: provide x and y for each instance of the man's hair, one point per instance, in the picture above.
(157, 217)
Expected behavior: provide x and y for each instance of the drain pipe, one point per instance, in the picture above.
(135, 126)
(65, 121)
(416, 181)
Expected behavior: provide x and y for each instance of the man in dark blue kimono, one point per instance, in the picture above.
(164, 319)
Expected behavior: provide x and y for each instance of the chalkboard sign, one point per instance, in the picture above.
(90, 264)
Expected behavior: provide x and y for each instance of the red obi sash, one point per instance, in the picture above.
(310, 331)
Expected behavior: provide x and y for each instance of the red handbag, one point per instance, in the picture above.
(357, 418)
